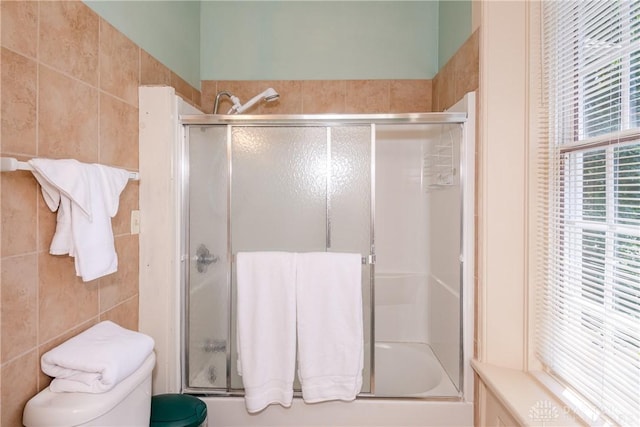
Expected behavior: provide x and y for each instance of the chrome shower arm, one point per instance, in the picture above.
(234, 99)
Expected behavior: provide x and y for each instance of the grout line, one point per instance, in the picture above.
(38, 237)
(99, 127)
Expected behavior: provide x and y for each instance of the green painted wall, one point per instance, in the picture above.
(454, 27)
(294, 40)
(313, 40)
(168, 30)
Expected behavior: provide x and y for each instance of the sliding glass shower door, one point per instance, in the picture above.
(261, 188)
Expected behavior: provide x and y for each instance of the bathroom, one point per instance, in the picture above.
(70, 79)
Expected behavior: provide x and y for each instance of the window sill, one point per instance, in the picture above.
(528, 401)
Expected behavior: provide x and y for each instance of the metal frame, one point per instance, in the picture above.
(324, 120)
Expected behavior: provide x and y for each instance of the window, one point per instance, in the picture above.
(588, 332)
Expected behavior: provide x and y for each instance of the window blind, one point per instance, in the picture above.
(588, 308)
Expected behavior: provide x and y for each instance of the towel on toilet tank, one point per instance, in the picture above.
(97, 359)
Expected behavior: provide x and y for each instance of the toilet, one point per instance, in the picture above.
(127, 404)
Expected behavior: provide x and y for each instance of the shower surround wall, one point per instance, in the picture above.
(69, 89)
(325, 96)
(231, 410)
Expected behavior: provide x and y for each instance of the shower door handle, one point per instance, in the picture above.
(203, 258)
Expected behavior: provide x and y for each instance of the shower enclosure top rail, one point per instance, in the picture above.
(323, 119)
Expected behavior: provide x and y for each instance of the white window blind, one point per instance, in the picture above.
(588, 312)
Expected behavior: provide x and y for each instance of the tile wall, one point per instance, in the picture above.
(458, 76)
(324, 96)
(69, 89)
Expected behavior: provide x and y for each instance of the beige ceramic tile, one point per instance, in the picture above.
(410, 96)
(68, 118)
(467, 65)
(123, 284)
(19, 380)
(18, 211)
(19, 28)
(152, 71)
(182, 87)
(124, 314)
(367, 96)
(68, 39)
(19, 305)
(435, 94)
(19, 80)
(119, 64)
(289, 102)
(121, 223)
(446, 86)
(47, 222)
(208, 95)
(196, 97)
(118, 133)
(64, 300)
(324, 96)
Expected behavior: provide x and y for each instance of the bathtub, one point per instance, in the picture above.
(231, 412)
(418, 376)
(410, 370)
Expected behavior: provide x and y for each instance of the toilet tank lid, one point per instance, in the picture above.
(63, 409)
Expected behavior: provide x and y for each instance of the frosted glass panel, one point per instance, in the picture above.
(350, 189)
(278, 189)
(417, 276)
(278, 192)
(208, 284)
(350, 210)
(280, 202)
(444, 202)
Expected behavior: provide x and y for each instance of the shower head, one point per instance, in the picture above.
(268, 95)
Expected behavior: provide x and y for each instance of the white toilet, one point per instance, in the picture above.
(127, 404)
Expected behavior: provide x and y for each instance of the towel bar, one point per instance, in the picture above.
(366, 260)
(9, 164)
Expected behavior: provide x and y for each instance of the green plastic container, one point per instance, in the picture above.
(177, 410)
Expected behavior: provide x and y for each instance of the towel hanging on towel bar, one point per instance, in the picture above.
(10, 164)
(86, 197)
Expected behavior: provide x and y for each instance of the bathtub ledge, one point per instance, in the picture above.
(523, 393)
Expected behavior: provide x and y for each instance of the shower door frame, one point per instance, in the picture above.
(315, 120)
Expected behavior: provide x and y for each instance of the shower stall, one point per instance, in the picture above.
(386, 188)
(397, 189)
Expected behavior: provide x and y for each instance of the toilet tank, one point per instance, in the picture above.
(127, 404)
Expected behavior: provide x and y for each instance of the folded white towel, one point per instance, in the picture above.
(266, 320)
(97, 359)
(330, 335)
(86, 197)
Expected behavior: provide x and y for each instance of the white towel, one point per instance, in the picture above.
(330, 335)
(266, 320)
(97, 359)
(86, 197)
